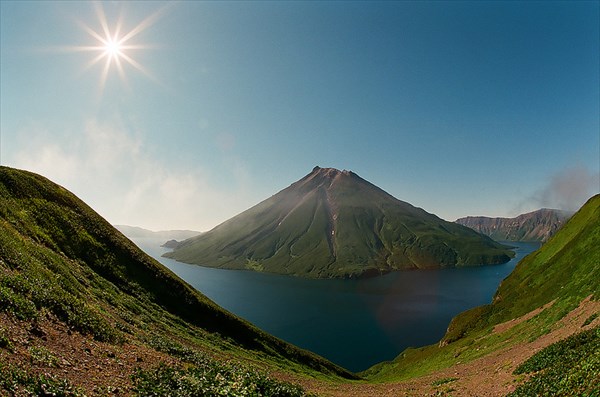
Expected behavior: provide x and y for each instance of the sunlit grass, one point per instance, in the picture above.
(563, 272)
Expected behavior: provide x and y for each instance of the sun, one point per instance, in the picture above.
(113, 48)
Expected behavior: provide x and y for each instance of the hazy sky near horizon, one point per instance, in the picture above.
(461, 108)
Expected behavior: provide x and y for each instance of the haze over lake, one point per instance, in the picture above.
(354, 323)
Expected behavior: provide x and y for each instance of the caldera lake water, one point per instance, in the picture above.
(353, 323)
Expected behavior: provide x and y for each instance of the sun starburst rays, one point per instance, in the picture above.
(113, 47)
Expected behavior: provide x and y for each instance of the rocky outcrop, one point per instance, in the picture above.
(170, 244)
(538, 225)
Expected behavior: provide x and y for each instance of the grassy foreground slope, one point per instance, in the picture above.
(67, 275)
(532, 302)
(333, 223)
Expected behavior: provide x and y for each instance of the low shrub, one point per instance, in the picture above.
(570, 367)
(25, 295)
(5, 343)
(42, 356)
(210, 378)
(17, 381)
(17, 305)
(590, 319)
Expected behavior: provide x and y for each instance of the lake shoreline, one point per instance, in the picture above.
(360, 322)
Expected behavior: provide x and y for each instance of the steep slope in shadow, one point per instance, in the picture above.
(57, 256)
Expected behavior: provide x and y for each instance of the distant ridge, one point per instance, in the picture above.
(333, 223)
(538, 225)
(138, 232)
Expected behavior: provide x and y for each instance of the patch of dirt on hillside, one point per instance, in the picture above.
(503, 327)
(48, 347)
(487, 376)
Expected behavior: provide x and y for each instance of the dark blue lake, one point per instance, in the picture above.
(354, 323)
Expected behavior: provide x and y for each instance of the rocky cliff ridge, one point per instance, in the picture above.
(538, 225)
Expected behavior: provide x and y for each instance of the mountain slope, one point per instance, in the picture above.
(538, 225)
(333, 223)
(66, 274)
(552, 294)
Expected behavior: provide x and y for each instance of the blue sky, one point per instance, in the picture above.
(461, 108)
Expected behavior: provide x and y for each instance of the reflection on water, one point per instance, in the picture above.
(354, 323)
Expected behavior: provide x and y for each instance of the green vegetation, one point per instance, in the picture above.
(560, 275)
(5, 343)
(443, 386)
(42, 356)
(254, 265)
(205, 376)
(589, 320)
(335, 224)
(570, 367)
(443, 381)
(60, 260)
(209, 378)
(19, 382)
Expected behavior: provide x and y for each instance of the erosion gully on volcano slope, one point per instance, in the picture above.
(334, 224)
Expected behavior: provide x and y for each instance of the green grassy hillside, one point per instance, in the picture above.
(61, 263)
(335, 224)
(566, 268)
(544, 287)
